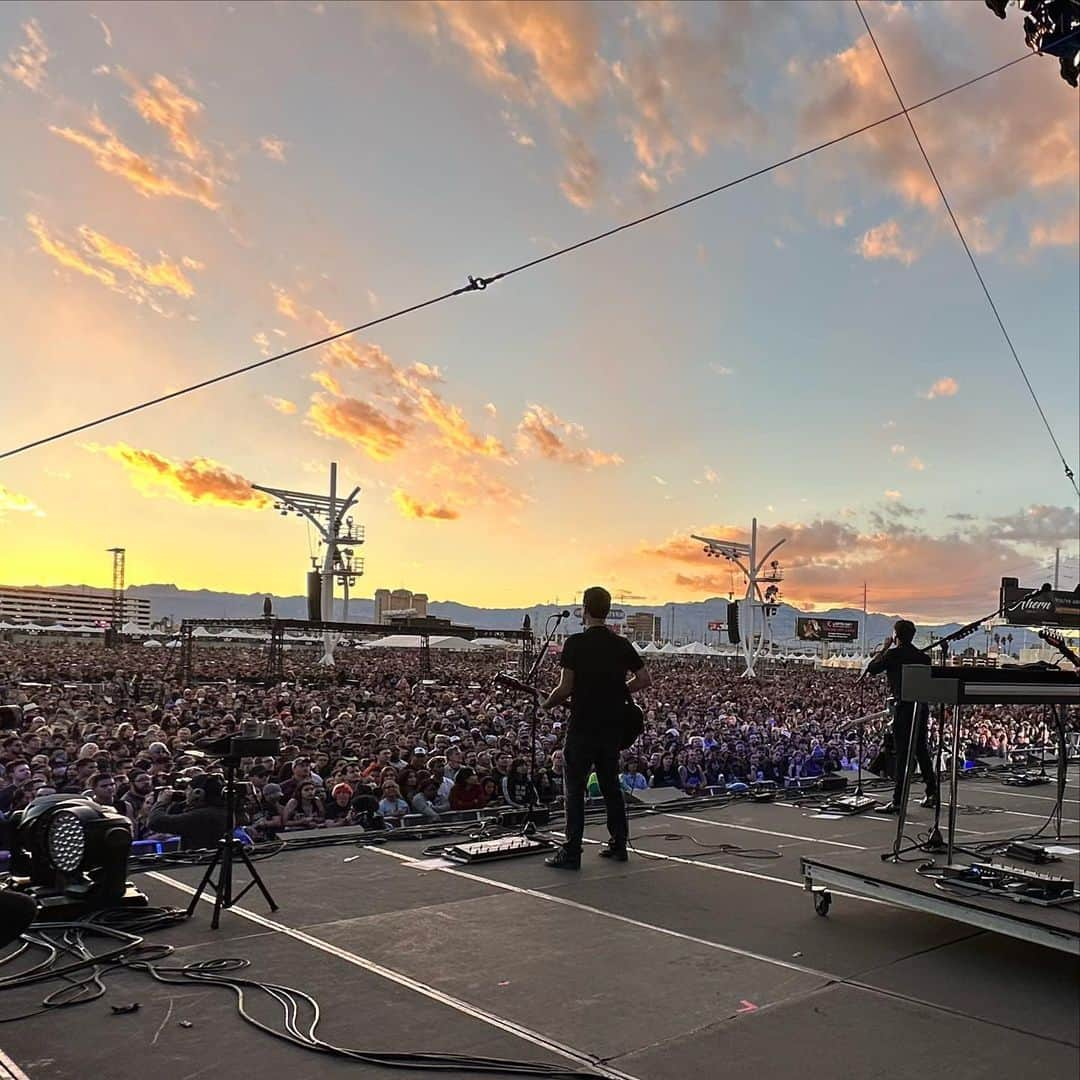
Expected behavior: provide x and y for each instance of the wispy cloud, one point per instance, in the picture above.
(891, 494)
(946, 386)
(196, 480)
(917, 464)
(360, 424)
(544, 433)
(415, 508)
(1064, 232)
(13, 502)
(115, 265)
(104, 28)
(273, 148)
(884, 241)
(147, 176)
(26, 63)
(720, 369)
(165, 105)
(581, 179)
(281, 405)
(897, 448)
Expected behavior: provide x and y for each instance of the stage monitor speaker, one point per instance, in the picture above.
(733, 622)
(314, 596)
(834, 782)
(653, 796)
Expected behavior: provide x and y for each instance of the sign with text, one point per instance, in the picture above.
(807, 629)
(716, 626)
(614, 615)
(1049, 607)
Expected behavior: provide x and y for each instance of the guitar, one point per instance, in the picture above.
(513, 683)
(1061, 645)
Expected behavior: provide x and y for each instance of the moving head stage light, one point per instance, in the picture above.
(70, 854)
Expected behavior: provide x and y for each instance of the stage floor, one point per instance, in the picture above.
(680, 963)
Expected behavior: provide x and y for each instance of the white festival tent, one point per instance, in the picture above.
(669, 649)
(412, 641)
(151, 644)
(695, 648)
(651, 648)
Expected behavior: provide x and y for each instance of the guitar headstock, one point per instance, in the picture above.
(1059, 643)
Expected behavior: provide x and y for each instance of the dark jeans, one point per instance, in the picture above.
(902, 724)
(580, 754)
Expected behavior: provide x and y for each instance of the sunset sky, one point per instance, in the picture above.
(189, 187)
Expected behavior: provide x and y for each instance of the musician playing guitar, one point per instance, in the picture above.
(595, 664)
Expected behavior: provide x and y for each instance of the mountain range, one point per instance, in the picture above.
(681, 622)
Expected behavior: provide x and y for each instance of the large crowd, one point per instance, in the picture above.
(377, 742)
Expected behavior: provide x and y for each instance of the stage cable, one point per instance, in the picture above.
(1070, 476)
(478, 284)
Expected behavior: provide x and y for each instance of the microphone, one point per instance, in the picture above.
(564, 614)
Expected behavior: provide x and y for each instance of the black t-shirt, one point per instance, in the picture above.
(892, 663)
(600, 660)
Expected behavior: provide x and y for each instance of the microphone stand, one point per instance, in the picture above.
(529, 828)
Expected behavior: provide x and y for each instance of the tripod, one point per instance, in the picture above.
(229, 848)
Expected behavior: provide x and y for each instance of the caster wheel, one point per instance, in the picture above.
(822, 902)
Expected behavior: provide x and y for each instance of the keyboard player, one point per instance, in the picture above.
(907, 716)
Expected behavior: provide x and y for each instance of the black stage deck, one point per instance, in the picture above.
(678, 964)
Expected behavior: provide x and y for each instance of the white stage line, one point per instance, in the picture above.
(534, 1037)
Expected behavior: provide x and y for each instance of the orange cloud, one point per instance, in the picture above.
(167, 106)
(1065, 232)
(414, 508)
(148, 177)
(1025, 140)
(469, 482)
(454, 430)
(285, 304)
(884, 242)
(197, 480)
(946, 386)
(542, 432)
(101, 257)
(581, 179)
(681, 86)
(26, 62)
(164, 275)
(359, 424)
(282, 405)
(56, 249)
(12, 501)
(559, 42)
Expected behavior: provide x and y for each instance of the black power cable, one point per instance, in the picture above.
(479, 284)
(83, 978)
(967, 250)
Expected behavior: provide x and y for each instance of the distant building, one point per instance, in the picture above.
(90, 608)
(382, 604)
(399, 604)
(643, 626)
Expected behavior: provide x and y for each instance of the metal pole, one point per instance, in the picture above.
(862, 648)
(1057, 567)
(330, 538)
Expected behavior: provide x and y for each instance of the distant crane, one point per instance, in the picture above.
(116, 607)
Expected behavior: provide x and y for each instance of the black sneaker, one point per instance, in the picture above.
(564, 859)
(888, 808)
(612, 850)
(930, 802)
